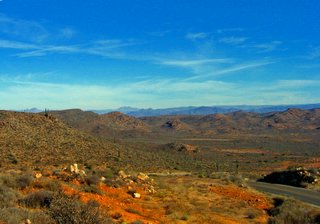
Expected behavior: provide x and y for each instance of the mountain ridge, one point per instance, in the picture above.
(194, 110)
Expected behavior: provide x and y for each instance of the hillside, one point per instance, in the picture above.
(35, 139)
(117, 124)
(206, 110)
(240, 122)
(105, 125)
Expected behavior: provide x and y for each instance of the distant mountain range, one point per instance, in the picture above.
(192, 110)
(119, 124)
(206, 110)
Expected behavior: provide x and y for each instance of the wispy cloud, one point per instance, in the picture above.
(196, 36)
(297, 83)
(195, 62)
(106, 48)
(227, 30)
(140, 94)
(32, 31)
(27, 30)
(67, 33)
(233, 40)
(314, 53)
(17, 45)
(267, 47)
(17, 91)
(243, 67)
(50, 49)
(230, 69)
(159, 33)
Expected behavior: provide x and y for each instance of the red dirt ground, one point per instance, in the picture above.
(117, 201)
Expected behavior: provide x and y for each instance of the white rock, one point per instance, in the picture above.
(38, 175)
(136, 195)
(122, 174)
(142, 176)
(76, 170)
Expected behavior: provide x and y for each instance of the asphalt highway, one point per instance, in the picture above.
(301, 194)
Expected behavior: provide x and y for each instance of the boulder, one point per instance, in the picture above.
(298, 177)
(136, 195)
(183, 147)
(122, 174)
(143, 177)
(74, 168)
(38, 175)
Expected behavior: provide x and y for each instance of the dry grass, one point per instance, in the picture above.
(192, 199)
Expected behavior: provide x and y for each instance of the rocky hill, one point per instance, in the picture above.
(105, 125)
(240, 121)
(35, 139)
(121, 125)
(205, 110)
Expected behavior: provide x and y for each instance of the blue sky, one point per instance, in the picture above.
(99, 54)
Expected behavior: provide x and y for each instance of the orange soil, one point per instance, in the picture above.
(118, 201)
(223, 220)
(285, 164)
(313, 165)
(252, 199)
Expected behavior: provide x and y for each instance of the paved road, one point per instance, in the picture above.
(308, 196)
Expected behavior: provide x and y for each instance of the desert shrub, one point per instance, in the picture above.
(185, 217)
(38, 184)
(24, 181)
(252, 214)
(8, 197)
(88, 166)
(92, 180)
(275, 210)
(115, 183)
(202, 174)
(107, 173)
(133, 211)
(91, 189)
(20, 215)
(65, 210)
(230, 178)
(237, 179)
(13, 215)
(116, 215)
(291, 212)
(40, 217)
(137, 222)
(37, 199)
(52, 185)
(12, 158)
(8, 181)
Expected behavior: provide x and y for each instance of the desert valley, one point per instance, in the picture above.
(159, 112)
(72, 165)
